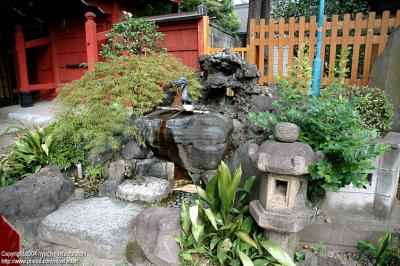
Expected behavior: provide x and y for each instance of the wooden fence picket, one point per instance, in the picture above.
(274, 44)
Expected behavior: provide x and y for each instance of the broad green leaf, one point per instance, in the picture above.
(249, 183)
(197, 231)
(203, 194)
(214, 241)
(246, 261)
(247, 187)
(365, 247)
(198, 250)
(245, 237)
(247, 224)
(383, 243)
(261, 262)
(277, 252)
(224, 184)
(186, 256)
(212, 190)
(211, 218)
(185, 217)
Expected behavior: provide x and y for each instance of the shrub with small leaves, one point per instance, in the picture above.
(330, 124)
(132, 36)
(94, 111)
(373, 105)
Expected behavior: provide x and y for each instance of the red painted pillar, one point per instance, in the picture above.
(22, 68)
(91, 41)
(115, 12)
(200, 36)
(10, 243)
(54, 58)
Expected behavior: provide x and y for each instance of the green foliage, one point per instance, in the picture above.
(92, 179)
(299, 257)
(132, 36)
(220, 227)
(27, 155)
(222, 10)
(65, 153)
(373, 105)
(308, 8)
(94, 111)
(380, 253)
(329, 124)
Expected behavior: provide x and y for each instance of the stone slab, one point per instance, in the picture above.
(100, 226)
(146, 189)
(343, 231)
(343, 202)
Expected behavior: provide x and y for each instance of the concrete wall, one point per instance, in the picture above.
(378, 197)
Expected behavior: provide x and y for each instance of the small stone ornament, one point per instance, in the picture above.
(281, 209)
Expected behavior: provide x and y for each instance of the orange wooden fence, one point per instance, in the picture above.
(273, 45)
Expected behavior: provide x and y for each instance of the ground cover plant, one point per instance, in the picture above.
(219, 226)
(330, 124)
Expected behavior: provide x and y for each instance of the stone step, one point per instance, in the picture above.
(99, 227)
(31, 120)
(144, 189)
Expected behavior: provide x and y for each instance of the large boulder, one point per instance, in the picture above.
(385, 74)
(101, 227)
(28, 201)
(195, 142)
(155, 229)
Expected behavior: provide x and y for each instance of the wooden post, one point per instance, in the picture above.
(91, 41)
(22, 68)
(54, 58)
(200, 37)
(206, 29)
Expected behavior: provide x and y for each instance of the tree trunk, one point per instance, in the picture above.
(265, 9)
(258, 9)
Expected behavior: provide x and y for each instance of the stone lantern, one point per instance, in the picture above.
(281, 210)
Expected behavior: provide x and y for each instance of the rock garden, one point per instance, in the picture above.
(151, 163)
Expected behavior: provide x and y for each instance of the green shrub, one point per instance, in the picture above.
(27, 155)
(329, 124)
(94, 111)
(65, 153)
(373, 105)
(132, 36)
(220, 227)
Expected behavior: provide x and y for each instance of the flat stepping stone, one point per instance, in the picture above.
(100, 226)
(147, 189)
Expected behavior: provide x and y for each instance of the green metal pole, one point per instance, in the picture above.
(317, 64)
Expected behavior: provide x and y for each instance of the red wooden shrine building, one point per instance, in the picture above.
(45, 43)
